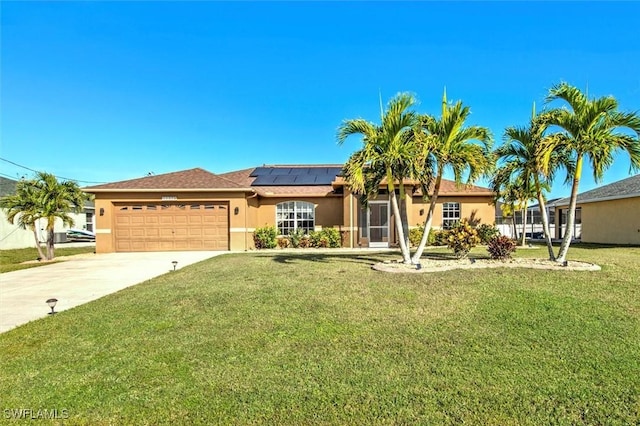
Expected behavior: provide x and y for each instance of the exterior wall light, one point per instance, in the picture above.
(421, 212)
(236, 210)
(52, 304)
(101, 211)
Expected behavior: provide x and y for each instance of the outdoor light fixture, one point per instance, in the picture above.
(101, 211)
(52, 304)
(421, 212)
(175, 262)
(236, 210)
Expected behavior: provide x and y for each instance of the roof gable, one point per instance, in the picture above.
(625, 188)
(7, 186)
(194, 179)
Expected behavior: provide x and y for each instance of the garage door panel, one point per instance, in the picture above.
(180, 219)
(165, 227)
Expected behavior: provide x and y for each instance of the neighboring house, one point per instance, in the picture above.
(608, 214)
(198, 210)
(534, 227)
(14, 237)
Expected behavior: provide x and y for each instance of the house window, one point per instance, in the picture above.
(450, 214)
(292, 215)
(89, 221)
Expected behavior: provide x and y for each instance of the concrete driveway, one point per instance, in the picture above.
(81, 279)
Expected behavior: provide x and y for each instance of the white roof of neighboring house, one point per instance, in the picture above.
(625, 188)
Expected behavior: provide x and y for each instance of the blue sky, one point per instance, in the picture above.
(107, 91)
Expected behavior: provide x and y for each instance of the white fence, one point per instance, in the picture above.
(534, 230)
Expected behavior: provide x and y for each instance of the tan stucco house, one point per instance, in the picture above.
(609, 214)
(198, 210)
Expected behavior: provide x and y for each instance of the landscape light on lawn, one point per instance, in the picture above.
(175, 262)
(52, 304)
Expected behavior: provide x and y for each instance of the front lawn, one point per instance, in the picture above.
(320, 338)
(11, 260)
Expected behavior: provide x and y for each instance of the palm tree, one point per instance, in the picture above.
(447, 144)
(22, 208)
(591, 129)
(55, 201)
(525, 163)
(386, 155)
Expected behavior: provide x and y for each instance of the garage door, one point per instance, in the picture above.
(172, 226)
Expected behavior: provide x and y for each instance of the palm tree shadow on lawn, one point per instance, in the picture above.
(369, 258)
(295, 257)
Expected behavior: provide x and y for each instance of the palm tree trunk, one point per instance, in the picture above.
(403, 215)
(524, 225)
(571, 213)
(50, 246)
(406, 256)
(35, 236)
(513, 222)
(545, 220)
(428, 221)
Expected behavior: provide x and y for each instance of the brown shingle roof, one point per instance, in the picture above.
(186, 179)
(200, 179)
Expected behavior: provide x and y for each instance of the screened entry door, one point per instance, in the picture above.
(378, 224)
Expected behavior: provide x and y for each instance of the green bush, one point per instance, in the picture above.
(415, 235)
(487, 232)
(295, 237)
(462, 238)
(328, 237)
(265, 237)
(501, 247)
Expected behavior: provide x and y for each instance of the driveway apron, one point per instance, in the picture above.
(81, 279)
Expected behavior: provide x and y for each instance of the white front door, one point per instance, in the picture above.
(378, 223)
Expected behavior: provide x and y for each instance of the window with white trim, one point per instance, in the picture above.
(292, 215)
(450, 214)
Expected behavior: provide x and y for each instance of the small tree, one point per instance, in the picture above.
(44, 197)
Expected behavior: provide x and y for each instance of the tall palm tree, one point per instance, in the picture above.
(22, 208)
(56, 200)
(386, 155)
(591, 129)
(524, 162)
(448, 144)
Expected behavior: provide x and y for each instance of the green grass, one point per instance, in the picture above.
(320, 338)
(11, 260)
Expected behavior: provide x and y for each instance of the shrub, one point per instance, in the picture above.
(295, 237)
(265, 238)
(333, 237)
(328, 237)
(501, 247)
(284, 242)
(304, 242)
(487, 233)
(462, 238)
(440, 237)
(415, 235)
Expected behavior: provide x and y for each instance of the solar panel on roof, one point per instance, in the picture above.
(299, 171)
(264, 180)
(294, 176)
(305, 180)
(285, 180)
(280, 171)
